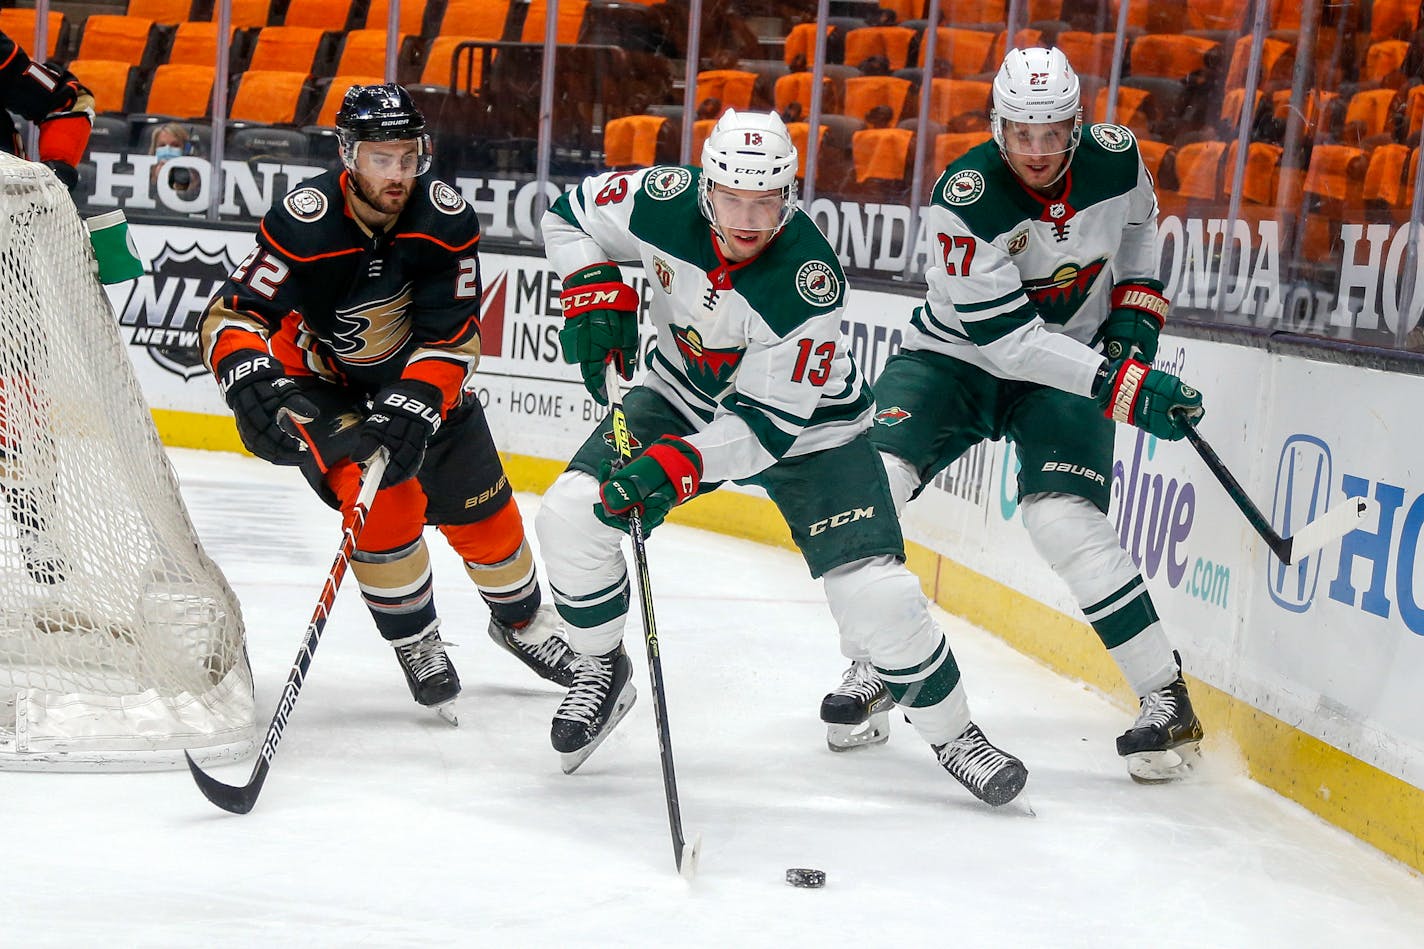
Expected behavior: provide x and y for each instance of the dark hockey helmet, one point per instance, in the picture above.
(381, 113)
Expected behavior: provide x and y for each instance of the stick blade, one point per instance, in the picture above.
(687, 861)
(231, 799)
(1330, 526)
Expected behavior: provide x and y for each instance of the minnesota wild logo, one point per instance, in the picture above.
(708, 369)
(891, 416)
(666, 181)
(1059, 296)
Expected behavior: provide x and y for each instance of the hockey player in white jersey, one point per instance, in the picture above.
(750, 381)
(1040, 324)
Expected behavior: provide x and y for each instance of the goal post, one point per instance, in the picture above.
(121, 643)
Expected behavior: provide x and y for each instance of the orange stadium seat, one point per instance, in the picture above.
(796, 87)
(1393, 19)
(570, 21)
(1199, 170)
(286, 48)
(905, 9)
(732, 86)
(952, 98)
(1131, 109)
(268, 96)
(632, 141)
(111, 82)
(974, 11)
(1383, 58)
(1258, 184)
(181, 90)
(321, 14)
(1216, 14)
(1273, 65)
(1384, 177)
(892, 42)
(481, 19)
(1336, 172)
(1169, 54)
(1285, 14)
(1090, 53)
(412, 15)
(1136, 13)
(1154, 155)
(881, 154)
(863, 93)
(119, 38)
(364, 53)
(966, 51)
(161, 11)
(19, 25)
(195, 43)
(248, 14)
(801, 41)
(1231, 106)
(700, 130)
(336, 91)
(1371, 109)
(950, 146)
(801, 137)
(1315, 104)
(436, 71)
(1023, 39)
(1045, 10)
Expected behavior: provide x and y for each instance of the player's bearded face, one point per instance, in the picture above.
(1036, 153)
(386, 172)
(746, 221)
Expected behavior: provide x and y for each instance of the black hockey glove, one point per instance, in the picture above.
(600, 323)
(1132, 392)
(265, 402)
(655, 482)
(404, 416)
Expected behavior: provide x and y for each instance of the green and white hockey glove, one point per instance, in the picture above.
(1138, 313)
(1131, 391)
(655, 482)
(600, 323)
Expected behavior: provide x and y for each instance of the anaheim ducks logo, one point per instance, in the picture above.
(1059, 296)
(373, 332)
(709, 369)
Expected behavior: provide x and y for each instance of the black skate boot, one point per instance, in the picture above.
(43, 561)
(538, 645)
(1164, 743)
(993, 776)
(600, 696)
(857, 712)
(432, 679)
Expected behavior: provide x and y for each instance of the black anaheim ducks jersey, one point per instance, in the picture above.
(332, 299)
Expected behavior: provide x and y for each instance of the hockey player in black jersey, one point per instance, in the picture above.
(355, 323)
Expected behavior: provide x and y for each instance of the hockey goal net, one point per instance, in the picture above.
(121, 643)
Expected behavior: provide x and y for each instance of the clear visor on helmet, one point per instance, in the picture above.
(1039, 140)
(406, 158)
(734, 209)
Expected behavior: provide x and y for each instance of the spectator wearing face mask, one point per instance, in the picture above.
(171, 141)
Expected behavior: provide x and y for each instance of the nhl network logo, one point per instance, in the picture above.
(1303, 479)
(165, 308)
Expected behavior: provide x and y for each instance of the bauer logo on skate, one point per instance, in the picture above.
(164, 308)
(840, 520)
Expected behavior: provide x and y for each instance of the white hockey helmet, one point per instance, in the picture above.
(1037, 86)
(750, 151)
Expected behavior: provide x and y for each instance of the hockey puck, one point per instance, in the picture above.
(806, 878)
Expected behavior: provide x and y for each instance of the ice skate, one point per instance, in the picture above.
(993, 776)
(538, 645)
(432, 678)
(1164, 743)
(857, 712)
(601, 694)
(43, 561)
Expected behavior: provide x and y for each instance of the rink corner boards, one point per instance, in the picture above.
(1374, 806)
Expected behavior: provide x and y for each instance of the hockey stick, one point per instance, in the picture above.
(1330, 526)
(239, 800)
(683, 854)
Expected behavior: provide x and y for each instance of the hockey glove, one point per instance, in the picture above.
(655, 482)
(1130, 391)
(600, 323)
(405, 415)
(1138, 312)
(265, 401)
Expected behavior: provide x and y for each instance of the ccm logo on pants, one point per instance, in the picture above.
(841, 519)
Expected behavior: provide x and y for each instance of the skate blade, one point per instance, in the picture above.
(874, 731)
(691, 853)
(1163, 767)
(569, 761)
(448, 712)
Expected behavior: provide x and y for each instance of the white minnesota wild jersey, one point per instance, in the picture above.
(1020, 284)
(751, 353)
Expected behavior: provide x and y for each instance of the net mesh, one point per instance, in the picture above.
(121, 643)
